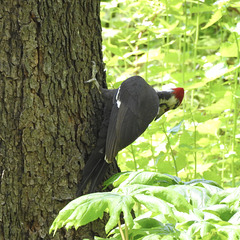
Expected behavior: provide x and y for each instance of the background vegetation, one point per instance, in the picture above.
(192, 44)
(191, 154)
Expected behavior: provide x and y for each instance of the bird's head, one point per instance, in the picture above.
(170, 99)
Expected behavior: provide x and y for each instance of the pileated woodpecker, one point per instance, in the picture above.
(127, 113)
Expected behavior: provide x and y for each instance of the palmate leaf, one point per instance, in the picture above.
(219, 196)
(150, 178)
(232, 231)
(156, 205)
(233, 199)
(208, 184)
(141, 177)
(164, 193)
(220, 210)
(197, 196)
(90, 207)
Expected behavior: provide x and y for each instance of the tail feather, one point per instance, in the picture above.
(96, 167)
(93, 172)
(99, 176)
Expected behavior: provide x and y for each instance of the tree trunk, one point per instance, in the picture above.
(49, 117)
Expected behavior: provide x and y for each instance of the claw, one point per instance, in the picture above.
(94, 79)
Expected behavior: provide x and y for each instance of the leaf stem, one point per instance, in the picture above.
(126, 231)
(134, 159)
(235, 116)
(174, 160)
(195, 145)
(121, 231)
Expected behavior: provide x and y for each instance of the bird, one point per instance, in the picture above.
(128, 111)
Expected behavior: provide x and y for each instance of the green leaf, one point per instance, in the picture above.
(233, 200)
(170, 195)
(228, 49)
(156, 205)
(197, 196)
(220, 210)
(235, 219)
(231, 232)
(150, 178)
(153, 237)
(176, 128)
(116, 179)
(218, 107)
(206, 228)
(114, 49)
(218, 74)
(90, 207)
(147, 223)
(219, 196)
(215, 17)
(208, 184)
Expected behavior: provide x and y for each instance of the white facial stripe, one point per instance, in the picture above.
(171, 102)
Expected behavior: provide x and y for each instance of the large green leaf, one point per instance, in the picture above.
(196, 196)
(231, 231)
(220, 210)
(150, 178)
(219, 196)
(90, 207)
(156, 205)
(233, 199)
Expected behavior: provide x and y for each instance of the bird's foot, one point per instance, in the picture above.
(94, 79)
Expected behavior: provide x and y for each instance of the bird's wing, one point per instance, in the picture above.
(135, 106)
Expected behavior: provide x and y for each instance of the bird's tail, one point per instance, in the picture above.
(96, 166)
(94, 172)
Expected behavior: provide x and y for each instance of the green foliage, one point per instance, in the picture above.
(192, 44)
(91, 207)
(158, 206)
(195, 45)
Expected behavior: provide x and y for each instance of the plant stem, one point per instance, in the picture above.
(121, 231)
(126, 231)
(184, 44)
(134, 159)
(235, 116)
(174, 160)
(195, 146)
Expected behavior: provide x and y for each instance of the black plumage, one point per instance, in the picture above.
(135, 105)
(127, 113)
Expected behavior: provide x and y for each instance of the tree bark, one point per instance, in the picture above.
(49, 117)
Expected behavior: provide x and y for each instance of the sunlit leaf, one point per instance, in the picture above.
(220, 210)
(209, 127)
(90, 207)
(215, 17)
(156, 205)
(176, 128)
(228, 49)
(150, 178)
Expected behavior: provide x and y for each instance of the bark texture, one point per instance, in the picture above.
(49, 117)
